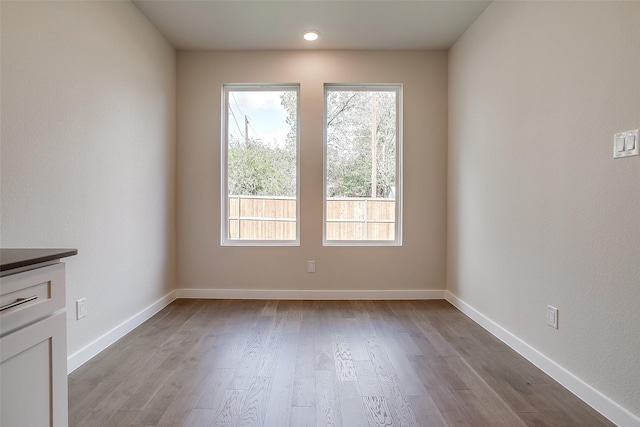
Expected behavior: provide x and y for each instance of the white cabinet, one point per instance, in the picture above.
(33, 353)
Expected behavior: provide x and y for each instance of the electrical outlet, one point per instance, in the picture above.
(311, 266)
(81, 308)
(552, 316)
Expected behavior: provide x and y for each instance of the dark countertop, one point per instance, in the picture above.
(17, 258)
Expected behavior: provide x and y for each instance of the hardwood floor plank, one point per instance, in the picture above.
(178, 394)
(254, 409)
(436, 371)
(368, 384)
(507, 384)
(129, 395)
(293, 310)
(539, 419)
(267, 362)
(270, 308)
(400, 406)
(78, 410)
(211, 394)
(323, 343)
(285, 370)
(88, 376)
(351, 405)
(257, 336)
(146, 391)
(227, 413)
(245, 371)
(229, 350)
(527, 371)
(345, 369)
(407, 345)
(489, 400)
(399, 307)
(555, 402)
(355, 339)
(328, 411)
(133, 361)
(473, 409)
(180, 408)
(200, 418)
(386, 318)
(449, 407)
(178, 350)
(361, 310)
(426, 411)
(121, 419)
(304, 387)
(301, 416)
(432, 334)
(276, 330)
(279, 409)
(378, 412)
(280, 402)
(379, 359)
(412, 384)
(104, 409)
(324, 356)
(153, 411)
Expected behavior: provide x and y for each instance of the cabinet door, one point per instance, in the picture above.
(33, 375)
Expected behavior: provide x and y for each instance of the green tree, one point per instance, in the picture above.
(258, 169)
(352, 116)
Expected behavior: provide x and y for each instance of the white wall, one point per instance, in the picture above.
(539, 212)
(88, 152)
(418, 265)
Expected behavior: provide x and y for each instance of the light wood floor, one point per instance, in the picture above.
(313, 363)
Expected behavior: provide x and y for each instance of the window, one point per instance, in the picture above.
(260, 203)
(363, 165)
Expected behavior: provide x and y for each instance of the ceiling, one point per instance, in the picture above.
(278, 25)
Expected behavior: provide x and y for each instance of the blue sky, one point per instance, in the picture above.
(267, 117)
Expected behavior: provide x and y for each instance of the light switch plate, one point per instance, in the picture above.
(81, 308)
(552, 316)
(626, 144)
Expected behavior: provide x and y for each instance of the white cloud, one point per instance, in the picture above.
(257, 101)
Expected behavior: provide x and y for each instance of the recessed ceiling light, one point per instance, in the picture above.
(311, 35)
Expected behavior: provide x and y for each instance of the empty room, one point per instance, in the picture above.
(319, 213)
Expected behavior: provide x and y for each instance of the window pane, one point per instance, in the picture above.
(261, 163)
(361, 161)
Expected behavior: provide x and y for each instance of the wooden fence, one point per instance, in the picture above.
(274, 218)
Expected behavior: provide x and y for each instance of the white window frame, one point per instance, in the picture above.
(366, 87)
(224, 228)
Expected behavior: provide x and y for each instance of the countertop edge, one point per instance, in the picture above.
(24, 257)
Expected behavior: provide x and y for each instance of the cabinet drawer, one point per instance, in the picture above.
(30, 295)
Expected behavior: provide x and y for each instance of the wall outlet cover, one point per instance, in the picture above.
(311, 266)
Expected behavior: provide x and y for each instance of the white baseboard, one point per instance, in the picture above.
(295, 294)
(598, 401)
(83, 355)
